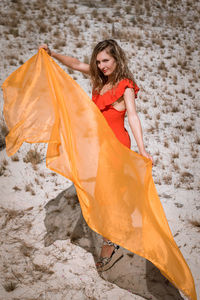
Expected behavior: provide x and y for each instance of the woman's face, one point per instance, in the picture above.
(106, 63)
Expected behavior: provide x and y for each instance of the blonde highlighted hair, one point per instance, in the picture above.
(121, 72)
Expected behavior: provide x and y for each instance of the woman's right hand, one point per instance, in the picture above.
(147, 155)
(45, 47)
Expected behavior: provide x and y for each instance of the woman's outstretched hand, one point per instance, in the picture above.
(147, 155)
(45, 47)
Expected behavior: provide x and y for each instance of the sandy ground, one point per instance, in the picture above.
(40, 257)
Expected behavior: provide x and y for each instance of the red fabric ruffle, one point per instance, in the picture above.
(114, 94)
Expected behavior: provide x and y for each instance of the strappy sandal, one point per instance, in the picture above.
(105, 263)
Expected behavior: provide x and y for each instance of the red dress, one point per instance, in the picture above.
(115, 118)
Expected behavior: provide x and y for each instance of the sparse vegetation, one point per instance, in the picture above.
(195, 223)
(15, 157)
(176, 138)
(26, 249)
(186, 177)
(10, 286)
(162, 66)
(11, 214)
(167, 179)
(166, 144)
(43, 269)
(198, 140)
(41, 174)
(33, 156)
(2, 169)
(37, 181)
(3, 134)
(29, 188)
(16, 188)
(189, 128)
(3, 166)
(175, 155)
(175, 109)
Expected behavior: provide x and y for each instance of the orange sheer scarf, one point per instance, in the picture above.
(114, 184)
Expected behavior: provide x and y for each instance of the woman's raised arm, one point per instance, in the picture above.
(70, 62)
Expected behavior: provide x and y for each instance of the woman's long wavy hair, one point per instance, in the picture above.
(122, 71)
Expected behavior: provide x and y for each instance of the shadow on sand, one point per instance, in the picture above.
(137, 275)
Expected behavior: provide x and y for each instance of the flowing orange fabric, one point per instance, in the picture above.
(114, 184)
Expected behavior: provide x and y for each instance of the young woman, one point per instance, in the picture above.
(114, 92)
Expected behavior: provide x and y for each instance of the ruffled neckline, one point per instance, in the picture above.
(113, 94)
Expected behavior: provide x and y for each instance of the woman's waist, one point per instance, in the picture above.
(112, 110)
(114, 115)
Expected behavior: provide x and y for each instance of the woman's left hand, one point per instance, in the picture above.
(147, 155)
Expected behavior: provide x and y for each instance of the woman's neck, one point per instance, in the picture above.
(110, 78)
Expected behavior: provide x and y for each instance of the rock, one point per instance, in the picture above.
(134, 273)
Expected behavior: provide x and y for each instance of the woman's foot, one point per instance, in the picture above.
(110, 254)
